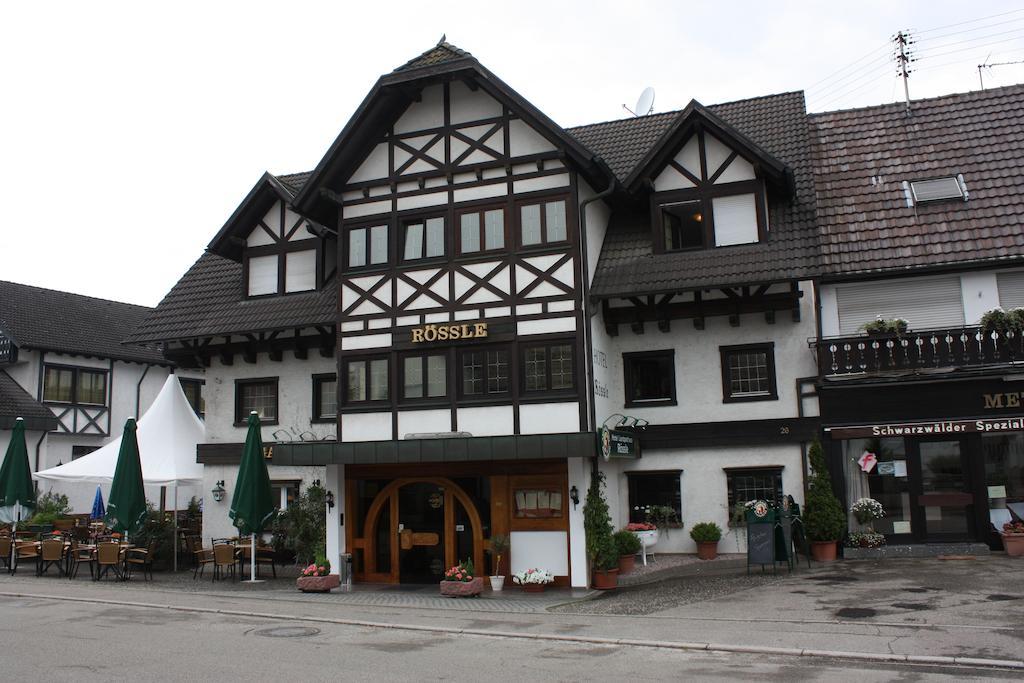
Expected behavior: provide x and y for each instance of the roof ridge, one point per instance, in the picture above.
(455, 52)
(75, 294)
(950, 95)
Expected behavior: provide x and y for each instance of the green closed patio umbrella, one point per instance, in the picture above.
(16, 488)
(252, 503)
(126, 505)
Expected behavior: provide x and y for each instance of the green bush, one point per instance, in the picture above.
(159, 529)
(882, 326)
(824, 518)
(49, 507)
(998, 320)
(597, 523)
(706, 532)
(626, 542)
(302, 528)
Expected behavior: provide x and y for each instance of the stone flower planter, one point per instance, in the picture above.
(318, 584)
(463, 589)
(1014, 544)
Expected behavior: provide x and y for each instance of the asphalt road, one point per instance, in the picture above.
(53, 640)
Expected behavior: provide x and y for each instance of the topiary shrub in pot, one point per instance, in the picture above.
(824, 518)
(628, 545)
(706, 535)
(601, 549)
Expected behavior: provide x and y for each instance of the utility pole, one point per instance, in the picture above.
(980, 79)
(903, 59)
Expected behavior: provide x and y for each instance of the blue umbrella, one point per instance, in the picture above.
(98, 510)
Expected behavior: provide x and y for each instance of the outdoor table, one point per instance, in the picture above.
(242, 551)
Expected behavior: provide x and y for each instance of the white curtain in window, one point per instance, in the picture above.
(262, 275)
(735, 219)
(300, 271)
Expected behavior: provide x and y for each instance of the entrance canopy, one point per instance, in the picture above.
(167, 434)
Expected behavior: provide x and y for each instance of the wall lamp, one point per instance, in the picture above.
(330, 500)
(574, 496)
(316, 483)
(218, 491)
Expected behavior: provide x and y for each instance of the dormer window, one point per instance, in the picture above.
(289, 272)
(282, 257)
(707, 196)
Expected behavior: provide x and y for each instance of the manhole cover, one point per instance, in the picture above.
(856, 612)
(288, 632)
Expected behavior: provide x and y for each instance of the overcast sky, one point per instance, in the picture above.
(129, 133)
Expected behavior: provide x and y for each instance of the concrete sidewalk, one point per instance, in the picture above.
(796, 614)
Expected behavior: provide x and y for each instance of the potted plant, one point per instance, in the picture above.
(461, 581)
(824, 519)
(1000, 322)
(647, 533)
(865, 539)
(867, 510)
(628, 545)
(533, 580)
(706, 535)
(597, 524)
(500, 545)
(1013, 538)
(880, 326)
(317, 577)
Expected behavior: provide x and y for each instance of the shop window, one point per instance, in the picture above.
(542, 223)
(1004, 477)
(745, 485)
(650, 378)
(193, 390)
(325, 397)
(887, 482)
(422, 238)
(548, 367)
(256, 394)
(424, 377)
(648, 490)
(485, 372)
(481, 230)
(367, 246)
(366, 380)
(748, 373)
(79, 386)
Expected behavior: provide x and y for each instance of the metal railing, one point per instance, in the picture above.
(917, 350)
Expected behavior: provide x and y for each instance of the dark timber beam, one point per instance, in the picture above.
(698, 323)
(637, 327)
(783, 301)
(227, 358)
(664, 325)
(769, 317)
(734, 320)
(275, 355)
(249, 356)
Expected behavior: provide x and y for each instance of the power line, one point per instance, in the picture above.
(976, 28)
(851, 64)
(970, 21)
(929, 48)
(969, 47)
(842, 82)
(878, 72)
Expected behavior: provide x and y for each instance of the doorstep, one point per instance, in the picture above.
(918, 550)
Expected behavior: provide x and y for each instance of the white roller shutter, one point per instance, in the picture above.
(1011, 289)
(735, 219)
(926, 303)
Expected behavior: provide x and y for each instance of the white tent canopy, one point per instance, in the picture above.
(167, 434)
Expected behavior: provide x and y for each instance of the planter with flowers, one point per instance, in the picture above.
(880, 326)
(461, 582)
(533, 580)
(1013, 538)
(647, 533)
(317, 578)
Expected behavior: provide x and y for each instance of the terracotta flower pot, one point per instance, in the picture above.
(606, 579)
(823, 551)
(627, 563)
(1014, 544)
(707, 550)
(463, 589)
(534, 587)
(318, 584)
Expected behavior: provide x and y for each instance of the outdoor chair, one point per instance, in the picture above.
(5, 551)
(193, 546)
(264, 557)
(25, 551)
(79, 555)
(223, 560)
(108, 557)
(51, 554)
(141, 557)
(200, 558)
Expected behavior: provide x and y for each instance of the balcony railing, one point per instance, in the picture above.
(917, 350)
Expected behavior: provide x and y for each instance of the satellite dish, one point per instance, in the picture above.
(645, 105)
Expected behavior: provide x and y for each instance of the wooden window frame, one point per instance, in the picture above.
(346, 232)
(730, 472)
(481, 210)
(200, 412)
(241, 416)
(525, 346)
(75, 371)
(552, 482)
(485, 396)
(632, 476)
(628, 377)
(444, 400)
(346, 400)
(540, 201)
(281, 251)
(422, 217)
(317, 381)
(726, 352)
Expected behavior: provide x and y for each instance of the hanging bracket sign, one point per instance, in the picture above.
(618, 444)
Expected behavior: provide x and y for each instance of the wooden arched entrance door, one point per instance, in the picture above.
(417, 527)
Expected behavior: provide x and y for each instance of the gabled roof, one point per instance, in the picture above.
(863, 156)
(15, 402)
(777, 124)
(47, 319)
(230, 240)
(208, 300)
(390, 96)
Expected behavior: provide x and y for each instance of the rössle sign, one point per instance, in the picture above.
(432, 333)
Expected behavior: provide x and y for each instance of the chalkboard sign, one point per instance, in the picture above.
(760, 543)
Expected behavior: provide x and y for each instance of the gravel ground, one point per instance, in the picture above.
(668, 594)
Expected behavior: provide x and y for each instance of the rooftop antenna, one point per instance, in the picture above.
(903, 58)
(644, 105)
